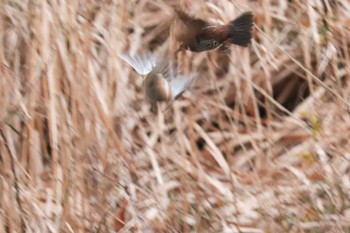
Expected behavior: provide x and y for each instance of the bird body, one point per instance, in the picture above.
(197, 35)
(157, 88)
(161, 82)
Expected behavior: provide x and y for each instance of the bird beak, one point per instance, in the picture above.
(181, 48)
(178, 50)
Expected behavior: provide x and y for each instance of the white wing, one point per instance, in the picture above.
(179, 84)
(143, 64)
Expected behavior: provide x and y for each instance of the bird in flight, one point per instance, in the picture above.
(198, 35)
(161, 81)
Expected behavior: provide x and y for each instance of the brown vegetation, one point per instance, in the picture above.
(261, 143)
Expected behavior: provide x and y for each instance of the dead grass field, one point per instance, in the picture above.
(260, 144)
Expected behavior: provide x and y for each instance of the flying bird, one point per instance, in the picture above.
(198, 35)
(161, 80)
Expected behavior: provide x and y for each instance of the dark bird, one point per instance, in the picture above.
(161, 81)
(197, 35)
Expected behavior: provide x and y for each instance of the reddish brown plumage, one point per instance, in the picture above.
(197, 35)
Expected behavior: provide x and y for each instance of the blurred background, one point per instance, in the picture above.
(259, 144)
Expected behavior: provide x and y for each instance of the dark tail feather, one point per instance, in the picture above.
(240, 32)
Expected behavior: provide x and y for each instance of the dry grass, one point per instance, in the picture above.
(262, 144)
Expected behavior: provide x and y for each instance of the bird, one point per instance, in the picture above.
(161, 81)
(197, 35)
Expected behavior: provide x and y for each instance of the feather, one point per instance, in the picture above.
(143, 64)
(179, 84)
(240, 29)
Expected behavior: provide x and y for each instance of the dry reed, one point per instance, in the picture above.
(261, 145)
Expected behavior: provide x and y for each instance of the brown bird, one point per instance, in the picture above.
(161, 81)
(197, 35)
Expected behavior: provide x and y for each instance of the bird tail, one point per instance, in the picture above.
(240, 29)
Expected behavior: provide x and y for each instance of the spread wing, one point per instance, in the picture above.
(191, 22)
(142, 63)
(187, 27)
(179, 84)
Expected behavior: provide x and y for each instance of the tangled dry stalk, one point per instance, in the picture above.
(262, 144)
